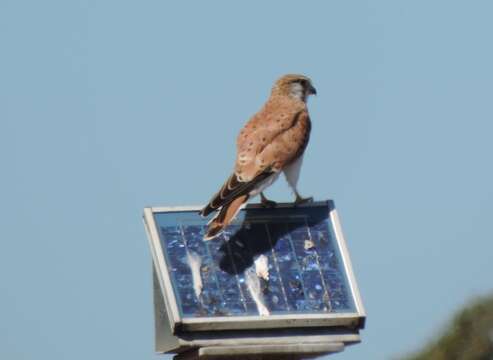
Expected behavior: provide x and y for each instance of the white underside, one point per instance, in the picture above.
(292, 173)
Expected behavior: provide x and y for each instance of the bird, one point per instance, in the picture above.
(272, 141)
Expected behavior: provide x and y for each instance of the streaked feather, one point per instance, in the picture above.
(231, 189)
(224, 217)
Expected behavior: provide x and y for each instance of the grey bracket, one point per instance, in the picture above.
(262, 352)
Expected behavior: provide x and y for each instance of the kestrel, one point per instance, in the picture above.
(271, 142)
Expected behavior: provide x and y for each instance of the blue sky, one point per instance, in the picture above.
(110, 106)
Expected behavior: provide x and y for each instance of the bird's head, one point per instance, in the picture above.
(296, 86)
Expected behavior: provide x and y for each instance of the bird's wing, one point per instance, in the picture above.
(265, 146)
(273, 147)
(232, 189)
(262, 133)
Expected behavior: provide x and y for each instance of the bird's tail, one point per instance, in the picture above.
(224, 217)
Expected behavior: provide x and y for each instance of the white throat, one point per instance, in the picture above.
(298, 92)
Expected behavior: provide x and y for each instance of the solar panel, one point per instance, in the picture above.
(280, 262)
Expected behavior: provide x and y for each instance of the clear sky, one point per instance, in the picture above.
(110, 106)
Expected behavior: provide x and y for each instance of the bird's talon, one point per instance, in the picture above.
(269, 203)
(300, 200)
(266, 202)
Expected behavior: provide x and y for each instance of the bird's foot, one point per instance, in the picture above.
(301, 200)
(266, 202)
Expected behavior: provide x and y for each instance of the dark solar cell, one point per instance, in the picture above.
(271, 261)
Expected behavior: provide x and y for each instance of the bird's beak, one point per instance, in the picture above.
(312, 90)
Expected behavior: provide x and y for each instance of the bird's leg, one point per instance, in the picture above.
(301, 200)
(266, 202)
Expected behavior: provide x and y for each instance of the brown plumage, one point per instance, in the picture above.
(273, 140)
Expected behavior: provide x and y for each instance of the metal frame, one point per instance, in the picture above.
(353, 320)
